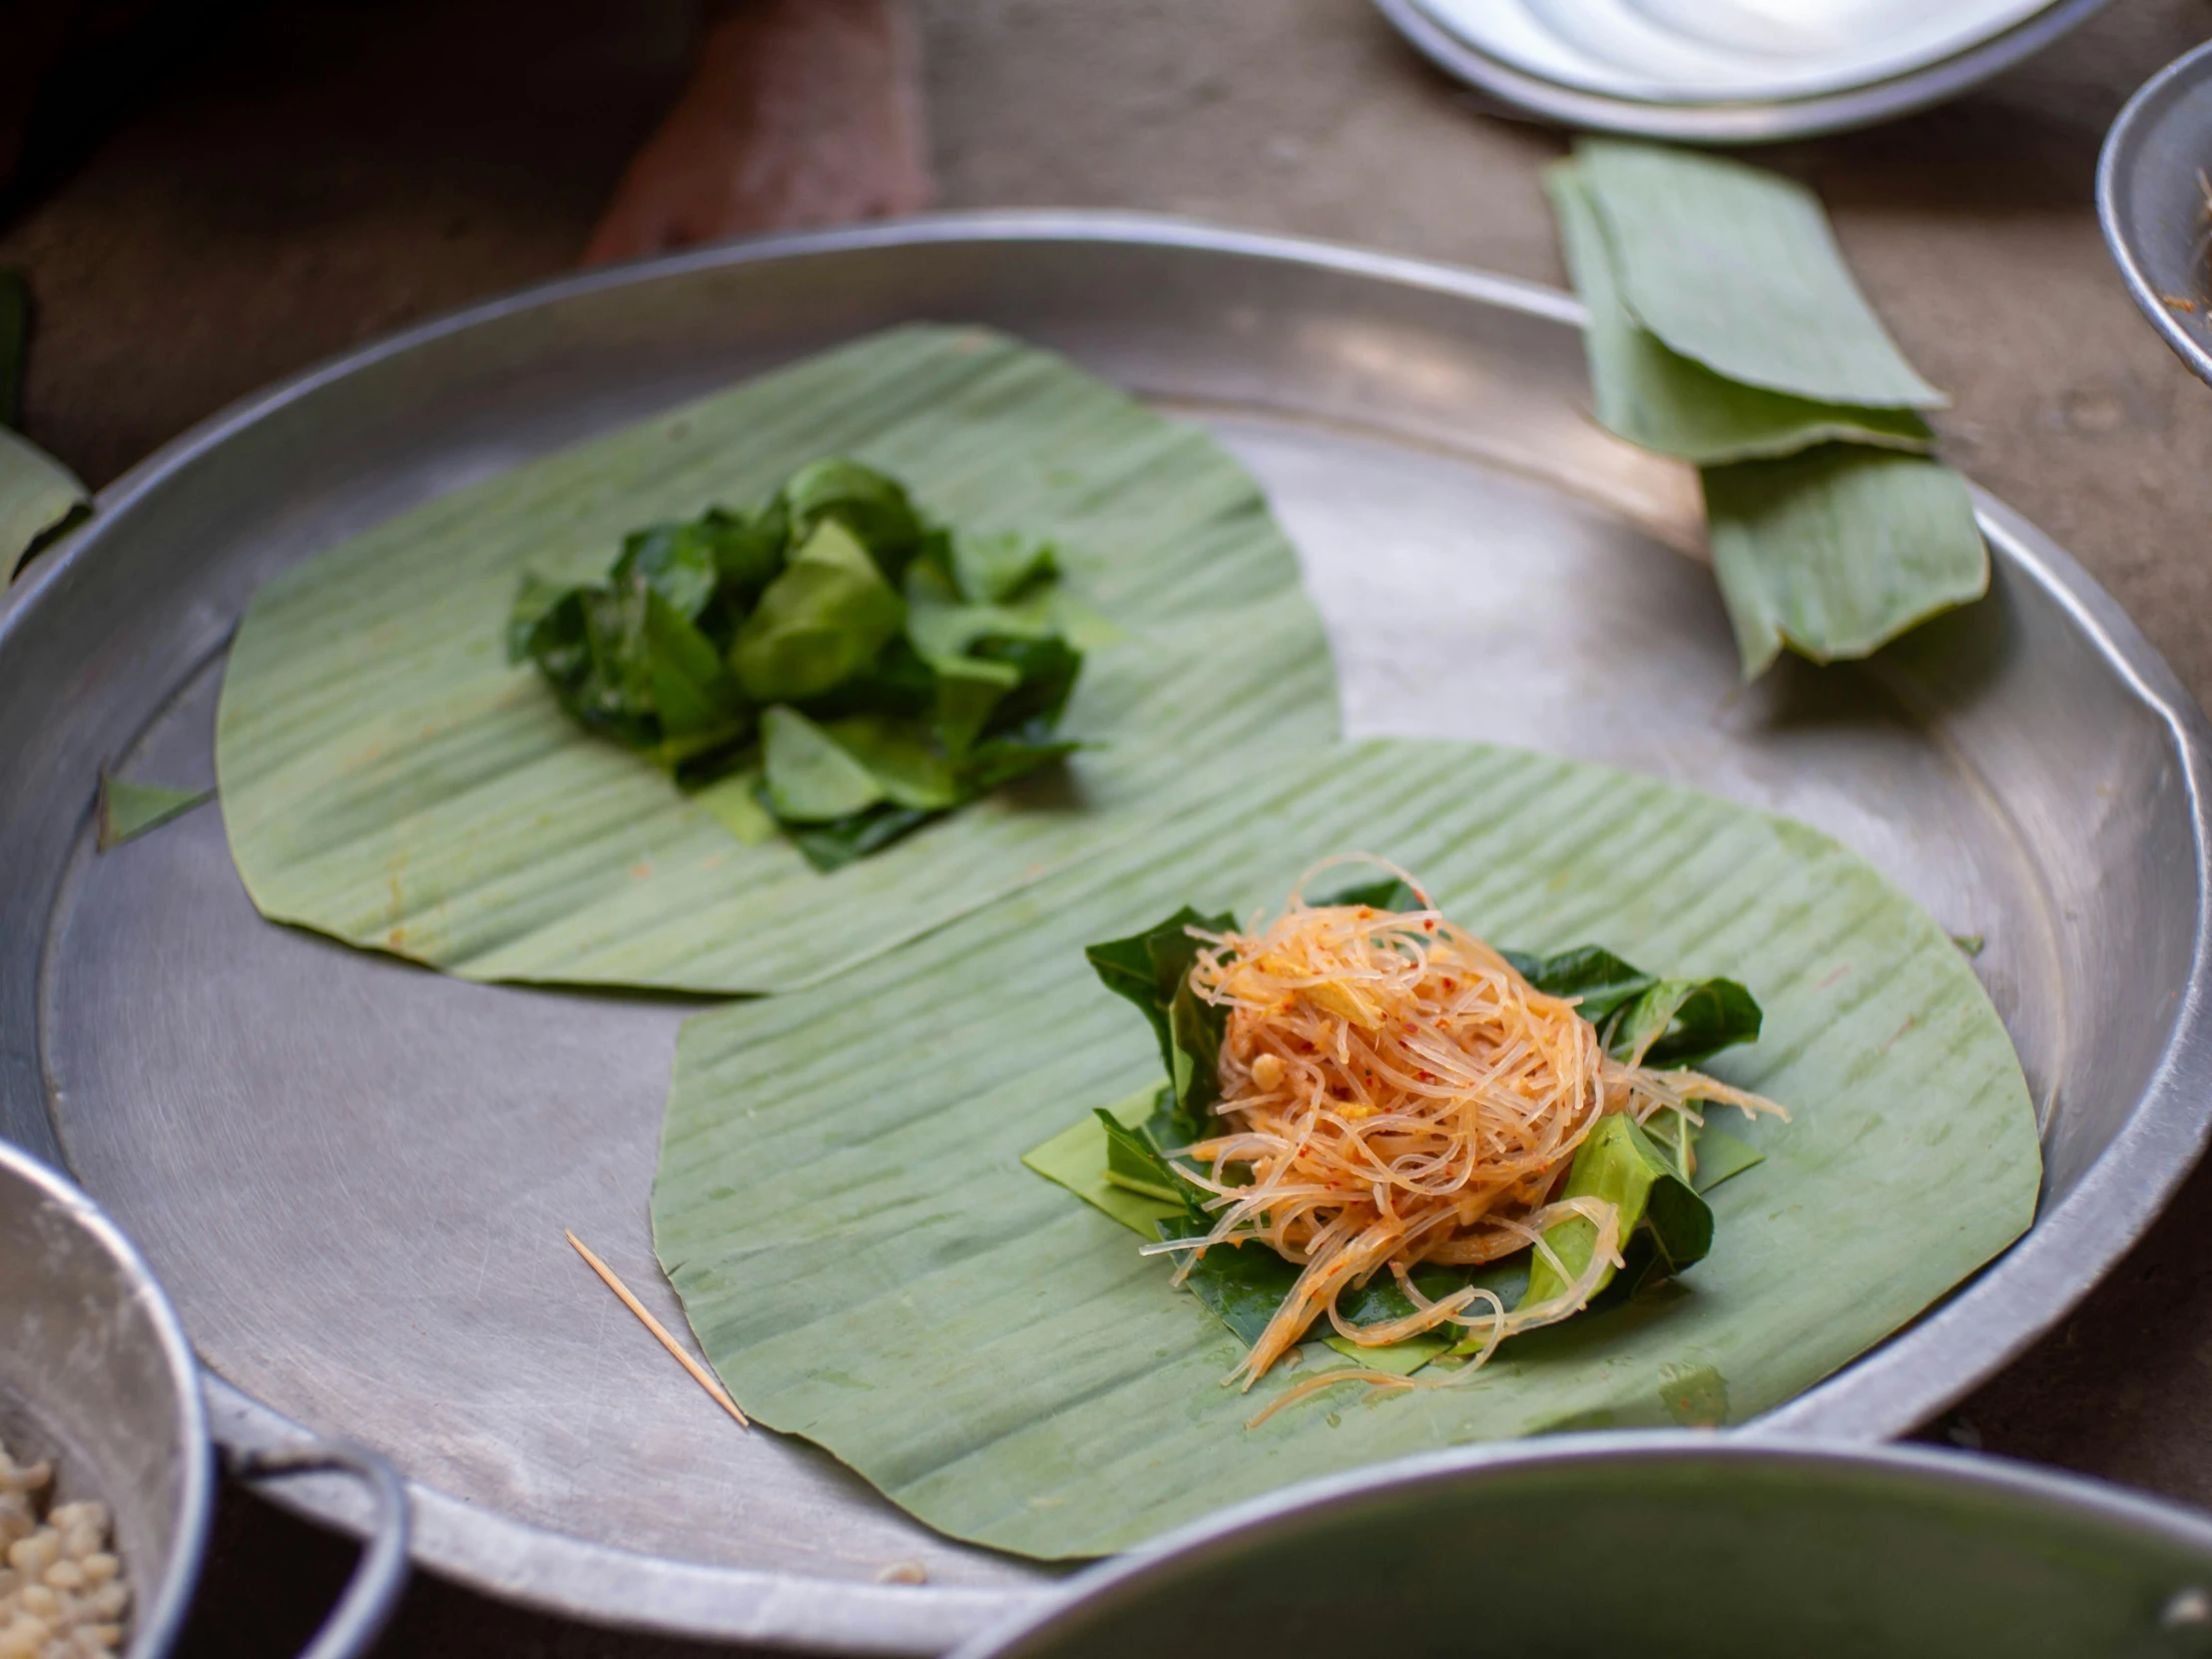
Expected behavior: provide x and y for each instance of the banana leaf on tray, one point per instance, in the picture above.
(843, 1205)
(388, 777)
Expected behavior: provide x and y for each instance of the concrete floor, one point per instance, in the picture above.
(324, 171)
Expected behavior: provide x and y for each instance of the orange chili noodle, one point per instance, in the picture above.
(1394, 1093)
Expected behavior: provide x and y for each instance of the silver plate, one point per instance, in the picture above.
(2155, 204)
(1743, 118)
(1726, 51)
(354, 1174)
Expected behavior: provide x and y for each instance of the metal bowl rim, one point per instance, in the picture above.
(2116, 168)
(560, 1572)
(1928, 1467)
(154, 1629)
(1747, 122)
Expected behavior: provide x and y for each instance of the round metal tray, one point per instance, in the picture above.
(2155, 203)
(1765, 121)
(354, 1174)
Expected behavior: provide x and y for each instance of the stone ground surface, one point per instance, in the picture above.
(322, 170)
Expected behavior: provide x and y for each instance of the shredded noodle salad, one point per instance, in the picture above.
(1394, 1093)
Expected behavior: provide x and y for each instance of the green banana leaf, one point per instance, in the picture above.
(1735, 267)
(843, 1206)
(1664, 401)
(388, 779)
(40, 499)
(1837, 551)
(127, 810)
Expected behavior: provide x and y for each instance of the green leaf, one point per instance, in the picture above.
(1735, 267)
(1133, 1162)
(906, 764)
(676, 561)
(388, 780)
(994, 569)
(810, 778)
(1077, 1159)
(693, 694)
(1240, 1285)
(733, 801)
(1618, 1163)
(127, 810)
(1837, 551)
(840, 1181)
(831, 847)
(872, 506)
(1680, 1023)
(1153, 970)
(749, 548)
(968, 693)
(40, 501)
(1045, 672)
(1381, 1299)
(537, 600)
(944, 626)
(1389, 893)
(820, 623)
(1602, 982)
(1667, 403)
(1720, 1157)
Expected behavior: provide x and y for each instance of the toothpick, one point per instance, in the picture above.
(704, 1376)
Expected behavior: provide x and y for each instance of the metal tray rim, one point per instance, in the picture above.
(1879, 1395)
(1737, 123)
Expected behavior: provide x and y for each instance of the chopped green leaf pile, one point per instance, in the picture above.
(834, 664)
(1726, 329)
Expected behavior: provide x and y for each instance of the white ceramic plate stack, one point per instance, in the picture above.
(1729, 71)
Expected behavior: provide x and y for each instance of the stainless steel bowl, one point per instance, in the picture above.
(1674, 1543)
(97, 1377)
(2154, 199)
(1739, 121)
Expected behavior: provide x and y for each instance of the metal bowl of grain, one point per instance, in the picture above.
(1723, 1546)
(107, 1475)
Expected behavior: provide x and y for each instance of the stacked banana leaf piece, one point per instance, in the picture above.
(1726, 331)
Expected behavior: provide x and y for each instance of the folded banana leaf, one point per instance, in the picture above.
(1663, 401)
(388, 779)
(843, 1206)
(1735, 267)
(1725, 329)
(1836, 551)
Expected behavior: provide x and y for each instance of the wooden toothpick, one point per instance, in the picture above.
(705, 1378)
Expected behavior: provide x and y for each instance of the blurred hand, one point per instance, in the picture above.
(798, 112)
